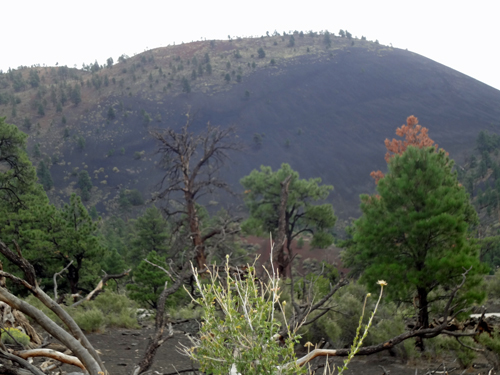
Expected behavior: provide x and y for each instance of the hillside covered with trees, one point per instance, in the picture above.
(161, 171)
(320, 102)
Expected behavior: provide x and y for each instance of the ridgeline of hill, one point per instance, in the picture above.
(321, 103)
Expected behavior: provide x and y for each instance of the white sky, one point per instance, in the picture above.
(464, 35)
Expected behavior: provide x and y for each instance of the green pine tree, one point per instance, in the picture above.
(44, 176)
(149, 282)
(415, 233)
(17, 176)
(263, 194)
(85, 184)
(151, 233)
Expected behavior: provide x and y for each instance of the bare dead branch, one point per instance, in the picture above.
(100, 285)
(52, 328)
(23, 264)
(49, 353)
(161, 268)
(55, 278)
(181, 371)
(467, 346)
(158, 336)
(22, 362)
(422, 332)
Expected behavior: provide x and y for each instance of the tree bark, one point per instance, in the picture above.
(195, 232)
(423, 316)
(281, 257)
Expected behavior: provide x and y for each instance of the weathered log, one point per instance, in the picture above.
(49, 353)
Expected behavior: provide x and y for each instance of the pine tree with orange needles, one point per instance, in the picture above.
(414, 134)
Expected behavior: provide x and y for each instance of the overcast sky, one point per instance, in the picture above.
(462, 35)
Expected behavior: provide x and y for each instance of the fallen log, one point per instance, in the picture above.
(49, 353)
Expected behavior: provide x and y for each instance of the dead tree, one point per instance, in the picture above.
(74, 340)
(192, 162)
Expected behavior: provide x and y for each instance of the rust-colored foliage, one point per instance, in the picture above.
(414, 135)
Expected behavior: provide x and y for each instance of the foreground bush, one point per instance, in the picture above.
(243, 334)
(245, 328)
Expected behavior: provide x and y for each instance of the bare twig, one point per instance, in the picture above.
(100, 285)
(161, 268)
(55, 278)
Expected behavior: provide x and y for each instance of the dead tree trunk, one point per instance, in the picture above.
(192, 162)
(281, 257)
(195, 232)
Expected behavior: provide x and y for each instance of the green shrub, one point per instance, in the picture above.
(300, 242)
(89, 320)
(186, 312)
(248, 316)
(493, 286)
(19, 336)
(109, 309)
(138, 155)
(118, 310)
(442, 345)
(492, 344)
(390, 324)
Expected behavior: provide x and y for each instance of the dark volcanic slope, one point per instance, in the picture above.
(345, 103)
(346, 106)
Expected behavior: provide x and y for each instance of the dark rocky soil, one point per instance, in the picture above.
(122, 348)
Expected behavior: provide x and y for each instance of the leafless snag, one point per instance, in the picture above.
(192, 162)
(55, 279)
